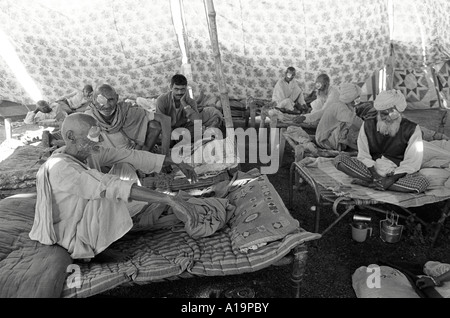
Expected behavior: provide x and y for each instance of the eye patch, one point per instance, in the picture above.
(102, 100)
(94, 133)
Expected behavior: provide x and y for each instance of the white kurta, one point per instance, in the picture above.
(77, 99)
(286, 94)
(82, 209)
(320, 104)
(32, 118)
(335, 118)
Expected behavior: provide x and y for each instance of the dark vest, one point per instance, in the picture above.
(392, 148)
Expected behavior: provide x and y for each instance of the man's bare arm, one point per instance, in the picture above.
(166, 130)
(143, 194)
(183, 209)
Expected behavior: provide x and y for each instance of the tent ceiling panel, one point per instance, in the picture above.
(50, 47)
(62, 45)
(421, 32)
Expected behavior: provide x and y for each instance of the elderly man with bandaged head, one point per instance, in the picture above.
(85, 210)
(338, 119)
(390, 149)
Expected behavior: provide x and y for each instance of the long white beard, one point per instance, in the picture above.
(388, 128)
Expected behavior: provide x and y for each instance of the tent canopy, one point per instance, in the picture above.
(50, 47)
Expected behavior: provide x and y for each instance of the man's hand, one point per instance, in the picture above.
(61, 115)
(185, 211)
(186, 100)
(188, 171)
(301, 108)
(425, 281)
(299, 119)
(375, 175)
(384, 183)
(191, 114)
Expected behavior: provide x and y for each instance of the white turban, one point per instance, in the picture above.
(389, 99)
(349, 92)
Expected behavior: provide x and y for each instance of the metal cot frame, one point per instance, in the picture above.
(326, 197)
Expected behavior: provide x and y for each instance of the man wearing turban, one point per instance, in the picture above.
(390, 149)
(338, 118)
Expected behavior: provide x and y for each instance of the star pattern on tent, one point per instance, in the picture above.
(444, 76)
(413, 86)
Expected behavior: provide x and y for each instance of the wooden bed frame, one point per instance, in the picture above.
(297, 259)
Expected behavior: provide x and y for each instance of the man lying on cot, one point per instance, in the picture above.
(390, 149)
(84, 210)
(45, 112)
(77, 101)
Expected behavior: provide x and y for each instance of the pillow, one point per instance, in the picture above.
(434, 268)
(436, 176)
(260, 216)
(376, 281)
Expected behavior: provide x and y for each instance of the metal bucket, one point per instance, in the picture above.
(390, 231)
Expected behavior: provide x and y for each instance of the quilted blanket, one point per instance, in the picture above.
(323, 171)
(259, 234)
(28, 269)
(18, 171)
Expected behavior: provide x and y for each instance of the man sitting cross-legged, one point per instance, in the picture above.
(390, 149)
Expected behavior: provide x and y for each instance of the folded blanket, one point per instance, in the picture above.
(18, 171)
(212, 214)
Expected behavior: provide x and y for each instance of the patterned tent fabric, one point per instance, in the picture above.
(370, 88)
(418, 88)
(260, 39)
(48, 48)
(443, 78)
(421, 32)
(63, 45)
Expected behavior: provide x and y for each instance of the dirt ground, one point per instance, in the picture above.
(331, 262)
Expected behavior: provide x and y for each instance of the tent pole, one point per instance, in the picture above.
(219, 72)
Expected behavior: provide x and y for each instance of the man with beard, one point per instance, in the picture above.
(287, 93)
(183, 110)
(84, 210)
(339, 120)
(390, 149)
(326, 94)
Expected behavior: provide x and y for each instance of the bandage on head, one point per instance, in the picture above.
(94, 134)
(102, 100)
(394, 114)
